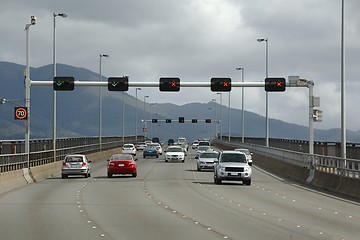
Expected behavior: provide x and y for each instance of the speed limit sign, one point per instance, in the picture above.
(21, 113)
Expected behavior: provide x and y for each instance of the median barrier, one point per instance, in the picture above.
(18, 178)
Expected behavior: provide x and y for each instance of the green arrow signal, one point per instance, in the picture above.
(114, 84)
(59, 83)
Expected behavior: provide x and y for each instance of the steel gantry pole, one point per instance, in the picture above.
(27, 91)
(220, 118)
(343, 106)
(100, 103)
(63, 15)
(242, 106)
(145, 126)
(229, 122)
(136, 113)
(266, 94)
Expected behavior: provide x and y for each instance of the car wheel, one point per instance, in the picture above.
(86, 175)
(199, 169)
(216, 180)
(247, 182)
(64, 176)
(157, 156)
(144, 156)
(109, 175)
(166, 160)
(134, 174)
(89, 174)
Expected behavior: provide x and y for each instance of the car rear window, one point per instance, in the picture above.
(73, 159)
(209, 155)
(121, 157)
(174, 150)
(128, 146)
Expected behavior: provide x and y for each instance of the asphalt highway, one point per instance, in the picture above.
(173, 201)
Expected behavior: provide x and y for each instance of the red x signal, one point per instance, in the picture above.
(226, 84)
(279, 84)
(173, 84)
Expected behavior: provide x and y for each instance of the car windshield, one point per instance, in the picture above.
(233, 157)
(209, 155)
(246, 151)
(73, 159)
(121, 157)
(174, 149)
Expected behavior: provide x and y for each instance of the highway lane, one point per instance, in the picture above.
(173, 201)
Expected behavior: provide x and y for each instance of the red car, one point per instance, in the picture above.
(121, 164)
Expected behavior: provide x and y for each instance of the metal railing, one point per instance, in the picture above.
(12, 162)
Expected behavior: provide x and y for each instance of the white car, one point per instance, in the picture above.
(141, 146)
(129, 149)
(207, 160)
(247, 153)
(195, 144)
(174, 153)
(158, 147)
(232, 166)
(201, 149)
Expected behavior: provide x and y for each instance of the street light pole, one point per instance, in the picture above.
(100, 104)
(242, 105)
(220, 118)
(229, 121)
(136, 113)
(123, 116)
(27, 91)
(342, 69)
(267, 95)
(145, 129)
(63, 15)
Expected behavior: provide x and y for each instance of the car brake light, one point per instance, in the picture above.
(83, 163)
(64, 164)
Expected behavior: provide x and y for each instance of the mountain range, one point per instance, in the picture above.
(78, 112)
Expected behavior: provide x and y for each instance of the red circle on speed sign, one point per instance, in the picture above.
(21, 113)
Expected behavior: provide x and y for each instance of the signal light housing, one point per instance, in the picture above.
(169, 84)
(275, 84)
(221, 84)
(118, 83)
(63, 83)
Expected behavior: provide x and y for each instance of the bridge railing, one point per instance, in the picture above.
(329, 164)
(11, 162)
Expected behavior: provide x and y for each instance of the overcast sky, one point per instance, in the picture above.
(196, 40)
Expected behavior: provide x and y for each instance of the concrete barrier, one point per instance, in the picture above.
(348, 187)
(15, 179)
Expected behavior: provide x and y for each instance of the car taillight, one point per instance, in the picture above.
(83, 164)
(64, 164)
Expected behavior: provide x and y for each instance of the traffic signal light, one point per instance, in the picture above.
(118, 83)
(275, 84)
(194, 120)
(221, 84)
(208, 120)
(181, 119)
(154, 120)
(168, 120)
(63, 83)
(169, 84)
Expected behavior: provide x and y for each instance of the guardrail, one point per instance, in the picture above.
(334, 165)
(12, 162)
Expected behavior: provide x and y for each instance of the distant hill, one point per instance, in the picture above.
(78, 112)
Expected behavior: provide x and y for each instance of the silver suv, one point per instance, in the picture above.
(232, 166)
(76, 164)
